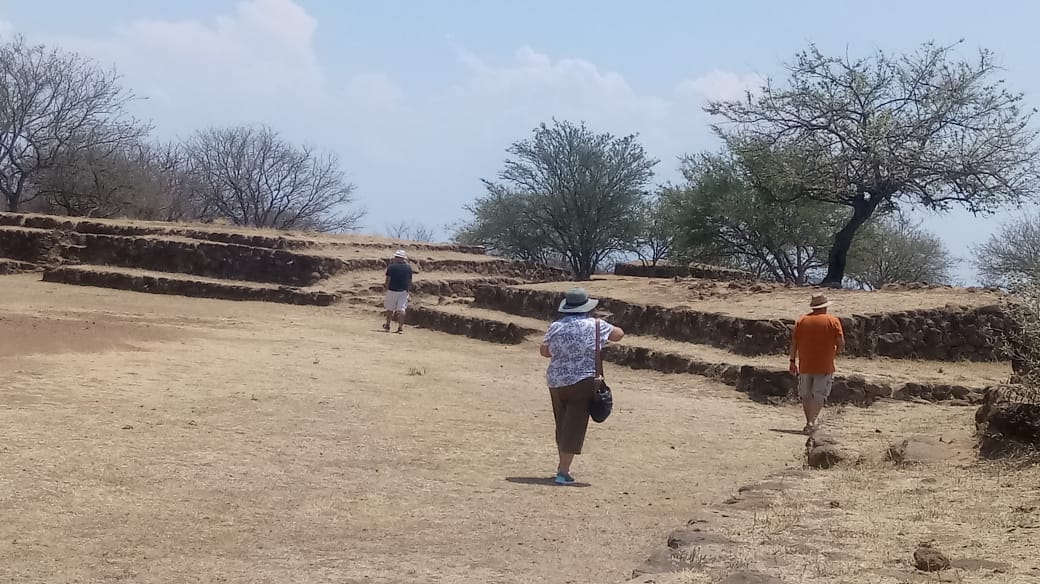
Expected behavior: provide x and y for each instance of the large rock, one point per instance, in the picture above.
(1008, 422)
(823, 451)
(929, 559)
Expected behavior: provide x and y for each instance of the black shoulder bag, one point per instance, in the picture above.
(602, 401)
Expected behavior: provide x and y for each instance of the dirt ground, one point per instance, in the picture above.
(189, 440)
(776, 303)
(166, 439)
(861, 523)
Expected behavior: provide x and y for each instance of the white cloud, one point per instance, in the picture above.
(537, 81)
(6, 29)
(258, 63)
(721, 85)
(237, 67)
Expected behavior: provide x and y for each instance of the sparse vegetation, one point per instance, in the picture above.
(1011, 257)
(894, 249)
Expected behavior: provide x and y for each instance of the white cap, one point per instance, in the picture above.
(400, 254)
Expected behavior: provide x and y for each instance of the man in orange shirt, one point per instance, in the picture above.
(817, 338)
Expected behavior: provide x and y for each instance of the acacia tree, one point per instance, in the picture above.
(655, 239)
(923, 128)
(581, 189)
(1012, 255)
(252, 176)
(504, 225)
(53, 105)
(895, 249)
(721, 216)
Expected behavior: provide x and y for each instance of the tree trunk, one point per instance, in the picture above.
(836, 260)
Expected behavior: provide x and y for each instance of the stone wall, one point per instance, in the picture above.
(223, 260)
(948, 334)
(204, 258)
(186, 287)
(36, 246)
(762, 384)
(473, 327)
(702, 271)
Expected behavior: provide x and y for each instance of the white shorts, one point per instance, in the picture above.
(396, 301)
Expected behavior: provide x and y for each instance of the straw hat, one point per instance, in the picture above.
(819, 301)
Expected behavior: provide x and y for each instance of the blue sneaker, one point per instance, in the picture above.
(563, 478)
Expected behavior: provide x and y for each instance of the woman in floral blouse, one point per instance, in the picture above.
(570, 345)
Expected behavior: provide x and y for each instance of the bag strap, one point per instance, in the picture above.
(599, 354)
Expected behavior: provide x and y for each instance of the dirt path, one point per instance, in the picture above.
(266, 443)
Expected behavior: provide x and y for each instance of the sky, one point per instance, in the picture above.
(421, 98)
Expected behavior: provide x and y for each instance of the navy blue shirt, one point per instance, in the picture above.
(400, 275)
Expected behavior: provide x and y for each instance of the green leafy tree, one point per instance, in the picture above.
(579, 191)
(505, 226)
(925, 128)
(655, 239)
(895, 249)
(721, 216)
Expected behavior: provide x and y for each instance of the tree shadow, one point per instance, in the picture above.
(542, 481)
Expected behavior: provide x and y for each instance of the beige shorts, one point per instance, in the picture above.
(817, 387)
(396, 301)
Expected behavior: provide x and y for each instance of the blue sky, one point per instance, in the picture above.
(421, 98)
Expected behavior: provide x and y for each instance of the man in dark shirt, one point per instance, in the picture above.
(398, 281)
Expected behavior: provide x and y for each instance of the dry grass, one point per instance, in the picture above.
(164, 439)
(861, 523)
(255, 442)
(781, 303)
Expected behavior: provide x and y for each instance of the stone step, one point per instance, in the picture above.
(184, 285)
(950, 333)
(860, 380)
(8, 266)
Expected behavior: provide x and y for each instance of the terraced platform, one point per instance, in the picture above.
(241, 264)
(860, 380)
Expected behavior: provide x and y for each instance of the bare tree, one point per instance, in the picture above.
(873, 133)
(136, 180)
(411, 231)
(55, 105)
(1011, 256)
(896, 249)
(251, 176)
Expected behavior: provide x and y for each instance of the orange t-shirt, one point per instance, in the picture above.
(816, 338)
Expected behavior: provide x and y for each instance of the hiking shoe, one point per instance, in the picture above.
(563, 478)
